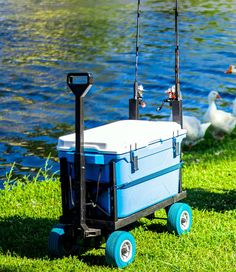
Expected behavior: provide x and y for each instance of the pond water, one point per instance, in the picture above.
(41, 41)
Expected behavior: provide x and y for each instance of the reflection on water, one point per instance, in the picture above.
(41, 41)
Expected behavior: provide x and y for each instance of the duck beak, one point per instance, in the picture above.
(218, 96)
(229, 70)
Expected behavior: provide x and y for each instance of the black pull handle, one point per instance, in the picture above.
(80, 83)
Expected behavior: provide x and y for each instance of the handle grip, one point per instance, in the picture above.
(80, 83)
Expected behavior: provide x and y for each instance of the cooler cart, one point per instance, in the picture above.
(113, 175)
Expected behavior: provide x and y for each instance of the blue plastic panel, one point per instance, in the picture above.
(94, 159)
(156, 178)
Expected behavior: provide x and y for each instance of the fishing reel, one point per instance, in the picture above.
(136, 101)
(171, 93)
(140, 91)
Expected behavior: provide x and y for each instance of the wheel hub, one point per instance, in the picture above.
(184, 220)
(126, 251)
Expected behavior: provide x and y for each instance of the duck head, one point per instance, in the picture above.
(212, 96)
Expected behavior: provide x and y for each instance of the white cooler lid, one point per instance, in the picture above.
(122, 136)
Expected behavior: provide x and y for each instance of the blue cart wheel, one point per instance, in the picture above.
(179, 218)
(120, 249)
(60, 243)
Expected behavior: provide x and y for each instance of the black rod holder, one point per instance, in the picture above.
(133, 109)
(80, 83)
(177, 115)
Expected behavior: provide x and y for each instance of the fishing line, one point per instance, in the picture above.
(137, 51)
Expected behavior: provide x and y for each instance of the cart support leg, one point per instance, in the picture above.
(113, 199)
(177, 113)
(64, 178)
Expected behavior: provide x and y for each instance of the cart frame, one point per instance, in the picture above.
(77, 216)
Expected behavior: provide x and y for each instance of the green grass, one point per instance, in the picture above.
(30, 209)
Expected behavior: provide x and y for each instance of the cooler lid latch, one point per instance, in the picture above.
(176, 147)
(134, 161)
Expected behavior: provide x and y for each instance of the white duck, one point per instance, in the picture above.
(234, 107)
(195, 130)
(231, 69)
(220, 120)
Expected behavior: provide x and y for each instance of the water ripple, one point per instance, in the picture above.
(42, 41)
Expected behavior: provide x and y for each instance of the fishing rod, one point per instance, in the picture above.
(177, 100)
(177, 84)
(137, 52)
(138, 89)
(174, 94)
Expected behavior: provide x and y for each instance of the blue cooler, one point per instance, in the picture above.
(147, 162)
